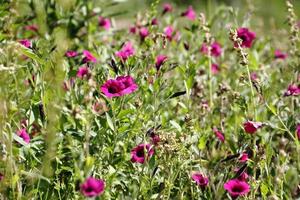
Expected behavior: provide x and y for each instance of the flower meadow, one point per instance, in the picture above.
(173, 103)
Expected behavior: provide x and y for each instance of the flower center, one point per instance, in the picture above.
(112, 89)
(140, 153)
(237, 188)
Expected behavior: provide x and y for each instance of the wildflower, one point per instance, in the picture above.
(143, 33)
(219, 134)
(293, 90)
(132, 29)
(88, 57)
(216, 49)
(247, 37)
(92, 187)
(160, 60)
(253, 76)
(138, 153)
(200, 179)
(244, 157)
(169, 32)
(215, 68)
(100, 107)
(82, 72)
(155, 139)
(33, 28)
(104, 22)
(119, 87)
(126, 51)
(280, 55)
(189, 13)
(71, 54)
(25, 43)
(298, 131)
(154, 21)
(1, 176)
(167, 8)
(24, 135)
(237, 188)
(251, 127)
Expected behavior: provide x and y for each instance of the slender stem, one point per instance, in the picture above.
(210, 78)
(252, 92)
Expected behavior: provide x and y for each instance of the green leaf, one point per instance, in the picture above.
(27, 52)
(19, 140)
(110, 122)
(176, 125)
(202, 143)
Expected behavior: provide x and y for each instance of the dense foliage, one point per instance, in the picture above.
(176, 104)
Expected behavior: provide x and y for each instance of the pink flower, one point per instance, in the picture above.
(247, 37)
(138, 153)
(298, 131)
(280, 55)
(33, 28)
(25, 43)
(169, 32)
(126, 51)
(251, 127)
(160, 60)
(104, 22)
(71, 54)
(253, 76)
(215, 68)
(200, 179)
(237, 188)
(132, 29)
(83, 72)
(155, 139)
(154, 21)
(143, 33)
(88, 57)
(189, 13)
(216, 49)
(293, 90)
(24, 135)
(92, 187)
(167, 8)
(244, 158)
(119, 87)
(219, 134)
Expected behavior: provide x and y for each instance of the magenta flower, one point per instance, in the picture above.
(160, 60)
(244, 158)
(104, 23)
(237, 188)
(169, 32)
(132, 29)
(119, 87)
(143, 33)
(92, 187)
(200, 179)
(216, 49)
(189, 13)
(126, 51)
(24, 135)
(154, 21)
(298, 131)
(83, 72)
(251, 127)
(253, 76)
(88, 57)
(71, 54)
(247, 37)
(280, 55)
(33, 28)
(219, 134)
(215, 68)
(155, 139)
(167, 8)
(25, 43)
(141, 153)
(293, 90)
